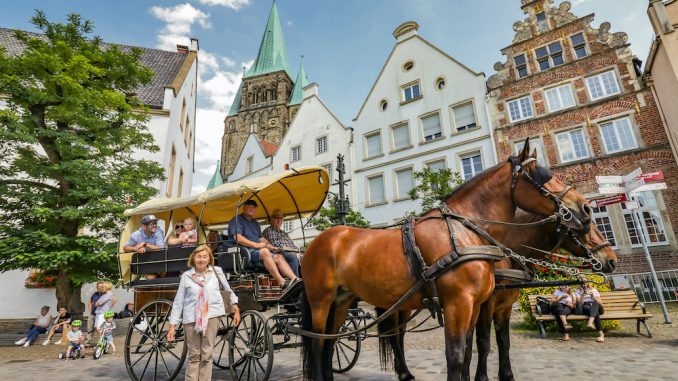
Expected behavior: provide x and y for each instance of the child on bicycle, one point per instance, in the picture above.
(74, 337)
(106, 329)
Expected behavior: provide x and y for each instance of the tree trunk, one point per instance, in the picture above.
(68, 295)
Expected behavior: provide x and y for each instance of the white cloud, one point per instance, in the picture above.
(228, 62)
(233, 4)
(179, 20)
(209, 130)
(579, 2)
(220, 89)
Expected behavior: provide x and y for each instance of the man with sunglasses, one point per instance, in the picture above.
(149, 237)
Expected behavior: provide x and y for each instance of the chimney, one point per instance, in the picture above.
(195, 46)
(405, 30)
(183, 49)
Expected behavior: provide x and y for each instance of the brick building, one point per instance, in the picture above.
(576, 91)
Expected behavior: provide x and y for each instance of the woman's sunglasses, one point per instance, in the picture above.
(178, 226)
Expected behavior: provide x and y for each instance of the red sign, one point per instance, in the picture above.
(609, 200)
(652, 176)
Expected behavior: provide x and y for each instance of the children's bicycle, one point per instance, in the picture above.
(101, 347)
(76, 352)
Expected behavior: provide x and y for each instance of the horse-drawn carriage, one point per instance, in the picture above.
(248, 349)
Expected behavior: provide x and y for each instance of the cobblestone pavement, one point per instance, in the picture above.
(623, 356)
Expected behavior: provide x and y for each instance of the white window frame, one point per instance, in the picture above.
(421, 127)
(602, 213)
(368, 201)
(287, 226)
(560, 149)
(410, 86)
(409, 136)
(537, 143)
(329, 167)
(381, 144)
(549, 55)
(398, 196)
(599, 78)
(643, 224)
(321, 147)
(443, 159)
(557, 91)
(575, 46)
(455, 128)
(520, 104)
(249, 165)
(615, 125)
(468, 155)
(292, 150)
(525, 65)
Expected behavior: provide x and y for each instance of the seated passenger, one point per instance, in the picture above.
(214, 241)
(189, 237)
(149, 237)
(174, 240)
(247, 233)
(282, 241)
(562, 304)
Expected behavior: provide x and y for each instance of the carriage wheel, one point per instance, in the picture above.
(347, 348)
(250, 351)
(220, 354)
(148, 354)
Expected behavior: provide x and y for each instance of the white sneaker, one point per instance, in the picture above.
(27, 344)
(20, 342)
(57, 343)
(45, 342)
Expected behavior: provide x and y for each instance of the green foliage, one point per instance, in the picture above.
(529, 322)
(327, 217)
(431, 187)
(69, 130)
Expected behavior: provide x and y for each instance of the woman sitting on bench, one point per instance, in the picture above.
(562, 304)
(592, 305)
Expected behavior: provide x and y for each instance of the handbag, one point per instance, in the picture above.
(544, 305)
(225, 293)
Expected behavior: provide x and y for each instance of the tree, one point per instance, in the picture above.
(327, 217)
(68, 133)
(432, 186)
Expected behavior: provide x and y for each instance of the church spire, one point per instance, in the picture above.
(272, 55)
(299, 84)
(216, 178)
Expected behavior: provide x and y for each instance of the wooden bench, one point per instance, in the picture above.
(618, 305)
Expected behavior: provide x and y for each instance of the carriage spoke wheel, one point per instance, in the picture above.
(250, 351)
(148, 354)
(347, 348)
(220, 354)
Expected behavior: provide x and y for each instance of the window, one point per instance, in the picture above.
(549, 56)
(602, 219)
(411, 92)
(250, 165)
(651, 222)
(535, 144)
(401, 136)
(373, 144)
(436, 165)
(383, 105)
(579, 45)
(618, 135)
(328, 168)
(287, 226)
(521, 65)
(464, 117)
(542, 22)
(375, 188)
(404, 183)
(182, 118)
(440, 83)
(321, 144)
(471, 165)
(170, 175)
(187, 128)
(190, 143)
(572, 145)
(181, 182)
(431, 127)
(559, 98)
(295, 153)
(602, 85)
(520, 109)
(408, 65)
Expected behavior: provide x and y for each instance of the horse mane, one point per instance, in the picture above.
(473, 181)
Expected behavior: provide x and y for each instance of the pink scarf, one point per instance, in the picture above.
(202, 307)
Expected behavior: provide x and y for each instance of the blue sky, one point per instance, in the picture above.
(344, 42)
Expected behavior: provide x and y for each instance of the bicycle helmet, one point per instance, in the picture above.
(76, 323)
(109, 314)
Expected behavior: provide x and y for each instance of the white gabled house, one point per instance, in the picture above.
(425, 109)
(255, 159)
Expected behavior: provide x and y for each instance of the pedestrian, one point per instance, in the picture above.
(91, 310)
(104, 304)
(38, 327)
(106, 329)
(562, 304)
(74, 338)
(592, 305)
(199, 304)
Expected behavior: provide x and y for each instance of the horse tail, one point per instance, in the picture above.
(306, 342)
(385, 327)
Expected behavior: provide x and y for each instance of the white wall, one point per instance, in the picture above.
(461, 85)
(261, 165)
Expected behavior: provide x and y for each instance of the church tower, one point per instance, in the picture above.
(267, 99)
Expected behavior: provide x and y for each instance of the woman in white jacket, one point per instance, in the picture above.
(199, 304)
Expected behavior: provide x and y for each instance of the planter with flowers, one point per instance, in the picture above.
(41, 279)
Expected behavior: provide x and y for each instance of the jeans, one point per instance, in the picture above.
(292, 260)
(33, 332)
(558, 309)
(593, 309)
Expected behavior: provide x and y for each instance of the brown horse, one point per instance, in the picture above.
(499, 306)
(345, 263)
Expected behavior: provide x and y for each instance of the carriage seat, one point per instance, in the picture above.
(238, 257)
(170, 259)
(157, 282)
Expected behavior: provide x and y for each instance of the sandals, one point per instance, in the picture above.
(600, 339)
(565, 338)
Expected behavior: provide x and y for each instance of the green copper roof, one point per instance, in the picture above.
(272, 55)
(299, 84)
(216, 179)
(235, 106)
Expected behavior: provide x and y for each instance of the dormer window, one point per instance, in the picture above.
(549, 56)
(542, 23)
(579, 45)
(521, 65)
(411, 91)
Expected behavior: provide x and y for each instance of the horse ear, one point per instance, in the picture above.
(525, 153)
(534, 154)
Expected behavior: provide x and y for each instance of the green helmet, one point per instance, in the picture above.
(109, 314)
(76, 323)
